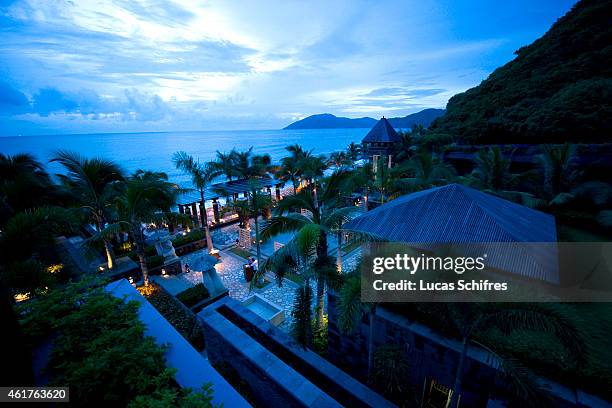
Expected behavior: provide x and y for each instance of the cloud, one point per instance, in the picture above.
(120, 64)
(133, 106)
(145, 107)
(51, 100)
(402, 92)
(12, 101)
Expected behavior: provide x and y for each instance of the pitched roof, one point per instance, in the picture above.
(228, 188)
(458, 214)
(382, 132)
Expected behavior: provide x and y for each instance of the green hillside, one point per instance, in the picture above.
(557, 89)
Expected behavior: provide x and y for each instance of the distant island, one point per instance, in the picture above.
(329, 121)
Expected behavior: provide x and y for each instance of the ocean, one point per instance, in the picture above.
(153, 151)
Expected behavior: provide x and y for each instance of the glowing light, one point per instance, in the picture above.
(55, 268)
(163, 271)
(20, 297)
(126, 246)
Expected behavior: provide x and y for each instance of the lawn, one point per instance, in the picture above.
(243, 253)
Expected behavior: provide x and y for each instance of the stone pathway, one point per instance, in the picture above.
(231, 273)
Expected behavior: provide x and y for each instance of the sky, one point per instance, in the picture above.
(94, 66)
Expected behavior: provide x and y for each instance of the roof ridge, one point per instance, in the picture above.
(480, 198)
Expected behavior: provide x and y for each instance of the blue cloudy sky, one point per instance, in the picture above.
(126, 65)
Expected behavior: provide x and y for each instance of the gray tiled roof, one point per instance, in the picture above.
(458, 214)
(382, 132)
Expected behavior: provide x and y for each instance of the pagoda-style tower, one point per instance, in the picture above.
(382, 142)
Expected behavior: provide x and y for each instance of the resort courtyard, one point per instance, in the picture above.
(230, 271)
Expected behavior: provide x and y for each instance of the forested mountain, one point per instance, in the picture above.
(329, 121)
(557, 89)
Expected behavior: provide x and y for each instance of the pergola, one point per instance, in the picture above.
(188, 202)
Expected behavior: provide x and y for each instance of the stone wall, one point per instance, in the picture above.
(279, 372)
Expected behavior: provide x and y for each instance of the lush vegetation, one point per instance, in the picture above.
(542, 350)
(98, 192)
(557, 89)
(193, 295)
(195, 235)
(100, 350)
(176, 313)
(243, 253)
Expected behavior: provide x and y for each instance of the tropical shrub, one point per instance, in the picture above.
(101, 352)
(195, 235)
(389, 372)
(179, 316)
(193, 295)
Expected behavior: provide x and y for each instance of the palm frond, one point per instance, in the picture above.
(337, 217)
(351, 308)
(526, 388)
(547, 318)
(303, 199)
(280, 224)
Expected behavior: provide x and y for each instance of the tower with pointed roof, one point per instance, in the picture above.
(381, 140)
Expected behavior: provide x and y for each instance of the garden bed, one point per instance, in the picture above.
(194, 295)
(179, 316)
(243, 253)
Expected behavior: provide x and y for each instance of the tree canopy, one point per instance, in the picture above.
(557, 89)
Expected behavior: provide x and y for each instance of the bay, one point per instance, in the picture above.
(153, 151)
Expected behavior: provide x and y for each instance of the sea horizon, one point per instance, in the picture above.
(154, 150)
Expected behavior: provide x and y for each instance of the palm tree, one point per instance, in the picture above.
(24, 184)
(93, 184)
(302, 316)
(298, 152)
(417, 130)
(353, 151)
(493, 170)
(406, 146)
(424, 170)
(261, 165)
(299, 156)
(253, 206)
(352, 310)
(290, 171)
(338, 159)
(313, 230)
(201, 175)
(493, 175)
(559, 172)
(144, 198)
(242, 162)
(361, 179)
(224, 164)
(469, 318)
(312, 170)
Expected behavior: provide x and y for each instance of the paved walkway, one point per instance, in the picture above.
(231, 273)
